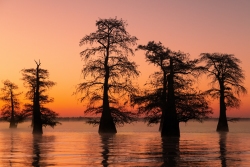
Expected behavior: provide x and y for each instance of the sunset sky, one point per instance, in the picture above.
(51, 31)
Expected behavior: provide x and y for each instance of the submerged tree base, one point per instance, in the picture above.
(222, 126)
(37, 133)
(107, 125)
(170, 133)
(170, 129)
(37, 130)
(13, 125)
(107, 129)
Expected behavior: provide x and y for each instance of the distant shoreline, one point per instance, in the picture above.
(139, 119)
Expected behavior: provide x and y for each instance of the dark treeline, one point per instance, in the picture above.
(170, 95)
(138, 119)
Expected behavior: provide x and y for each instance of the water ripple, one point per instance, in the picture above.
(62, 147)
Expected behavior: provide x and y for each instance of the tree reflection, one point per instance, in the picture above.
(37, 139)
(170, 151)
(105, 139)
(12, 150)
(223, 148)
(41, 146)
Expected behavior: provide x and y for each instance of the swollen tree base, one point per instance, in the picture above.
(170, 128)
(37, 129)
(222, 126)
(107, 128)
(37, 132)
(13, 124)
(37, 123)
(107, 125)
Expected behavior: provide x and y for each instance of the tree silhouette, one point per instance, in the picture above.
(11, 109)
(227, 82)
(155, 101)
(36, 79)
(108, 73)
(172, 99)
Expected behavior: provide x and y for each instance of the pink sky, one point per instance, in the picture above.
(51, 31)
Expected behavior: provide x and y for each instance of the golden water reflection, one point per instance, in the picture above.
(71, 146)
(42, 147)
(170, 151)
(105, 139)
(223, 148)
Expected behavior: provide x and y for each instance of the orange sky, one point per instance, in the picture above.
(51, 31)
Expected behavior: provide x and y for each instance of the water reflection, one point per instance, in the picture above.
(12, 150)
(9, 149)
(105, 140)
(41, 150)
(80, 148)
(223, 148)
(37, 139)
(170, 151)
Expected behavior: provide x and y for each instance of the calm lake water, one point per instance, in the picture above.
(78, 144)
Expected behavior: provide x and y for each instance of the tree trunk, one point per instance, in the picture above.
(37, 121)
(107, 124)
(163, 99)
(161, 122)
(13, 123)
(222, 123)
(12, 118)
(37, 124)
(170, 126)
